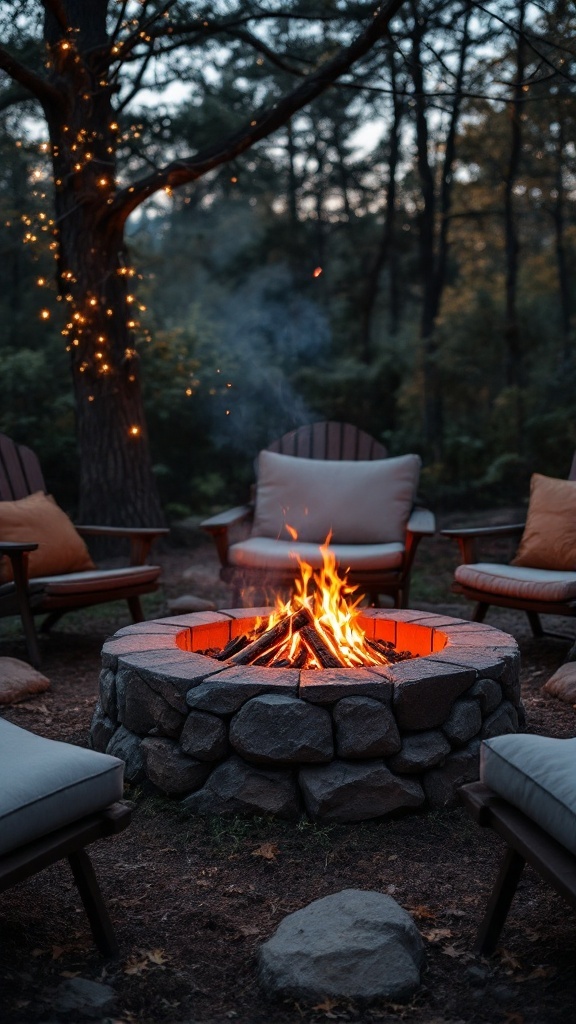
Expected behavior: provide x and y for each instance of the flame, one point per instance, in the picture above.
(328, 597)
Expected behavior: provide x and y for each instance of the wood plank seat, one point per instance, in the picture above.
(27, 591)
(326, 478)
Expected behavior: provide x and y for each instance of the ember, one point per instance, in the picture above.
(317, 628)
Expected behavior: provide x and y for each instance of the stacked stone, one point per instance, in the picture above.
(338, 745)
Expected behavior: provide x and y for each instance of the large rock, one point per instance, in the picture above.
(441, 784)
(108, 698)
(275, 729)
(350, 791)
(425, 692)
(503, 720)
(145, 709)
(365, 728)
(355, 944)
(102, 729)
(420, 751)
(488, 692)
(235, 787)
(19, 681)
(171, 770)
(204, 737)
(463, 722)
(125, 745)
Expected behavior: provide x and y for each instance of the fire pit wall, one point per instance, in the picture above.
(337, 744)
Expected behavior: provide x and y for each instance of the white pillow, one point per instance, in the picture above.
(360, 502)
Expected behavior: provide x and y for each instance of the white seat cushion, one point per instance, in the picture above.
(537, 774)
(91, 581)
(518, 581)
(265, 553)
(358, 502)
(46, 784)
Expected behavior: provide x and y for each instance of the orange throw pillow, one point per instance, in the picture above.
(40, 520)
(549, 538)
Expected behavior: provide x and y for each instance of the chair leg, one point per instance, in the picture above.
(499, 903)
(535, 624)
(480, 612)
(135, 609)
(100, 923)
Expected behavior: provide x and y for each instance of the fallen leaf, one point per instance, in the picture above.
(157, 956)
(57, 952)
(136, 966)
(422, 913)
(454, 953)
(269, 851)
(541, 972)
(69, 974)
(509, 960)
(435, 934)
(327, 1006)
(249, 929)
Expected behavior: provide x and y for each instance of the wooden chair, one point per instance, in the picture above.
(266, 562)
(56, 799)
(527, 794)
(54, 595)
(536, 591)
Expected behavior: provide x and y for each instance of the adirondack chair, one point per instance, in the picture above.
(538, 588)
(27, 592)
(326, 477)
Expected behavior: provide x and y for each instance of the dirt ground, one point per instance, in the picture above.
(192, 898)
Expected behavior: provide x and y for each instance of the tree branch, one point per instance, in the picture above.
(268, 120)
(39, 87)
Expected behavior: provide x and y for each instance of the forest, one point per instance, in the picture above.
(398, 251)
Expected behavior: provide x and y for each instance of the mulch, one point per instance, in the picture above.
(193, 898)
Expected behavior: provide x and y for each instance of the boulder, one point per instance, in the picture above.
(419, 752)
(352, 791)
(440, 784)
(463, 722)
(171, 770)
(204, 736)
(276, 729)
(365, 728)
(235, 787)
(125, 745)
(355, 944)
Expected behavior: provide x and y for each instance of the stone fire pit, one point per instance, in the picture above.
(340, 745)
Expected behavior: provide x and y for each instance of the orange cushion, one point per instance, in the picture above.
(549, 538)
(40, 520)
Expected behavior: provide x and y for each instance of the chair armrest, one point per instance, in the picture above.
(467, 537)
(141, 538)
(421, 521)
(217, 526)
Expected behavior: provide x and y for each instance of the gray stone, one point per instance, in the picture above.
(502, 721)
(190, 603)
(352, 791)
(325, 686)
(102, 729)
(488, 692)
(440, 784)
(171, 770)
(365, 728)
(235, 787)
(228, 691)
(419, 752)
(127, 746)
(91, 998)
(463, 722)
(145, 710)
(172, 691)
(204, 736)
(511, 678)
(425, 692)
(108, 698)
(275, 729)
(355, 944)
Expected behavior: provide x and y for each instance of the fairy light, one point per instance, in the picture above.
(135, 430)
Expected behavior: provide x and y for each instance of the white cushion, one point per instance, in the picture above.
(46, 784)
(360, 502)
(264, 553)
(518, 581)
(537, 774)
(91, 581)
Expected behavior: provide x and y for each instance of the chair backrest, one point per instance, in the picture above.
(20, 473)
(329, 440)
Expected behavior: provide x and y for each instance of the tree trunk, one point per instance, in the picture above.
(116, 482)
(514, 360)
(558, 214)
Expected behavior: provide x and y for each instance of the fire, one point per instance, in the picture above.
(334, 616)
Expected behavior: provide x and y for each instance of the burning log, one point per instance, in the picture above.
(319, 648)
(238, 643)
(387, 650)
(272, 637)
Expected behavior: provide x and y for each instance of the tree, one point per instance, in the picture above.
(93, 59)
